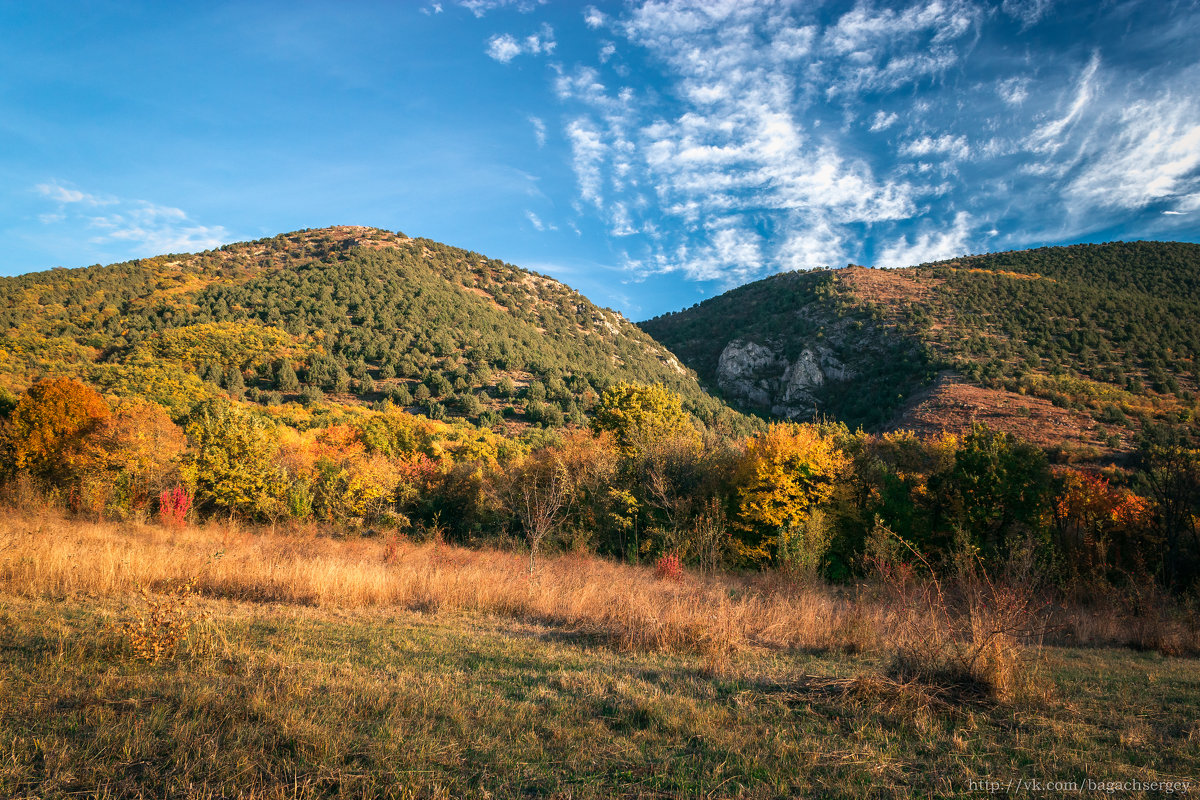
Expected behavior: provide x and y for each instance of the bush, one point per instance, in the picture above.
(173, 507)
(669, 567)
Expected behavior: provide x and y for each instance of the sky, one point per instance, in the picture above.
(649, 153)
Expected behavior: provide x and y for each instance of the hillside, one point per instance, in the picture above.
(1076, 347)
(345, 315)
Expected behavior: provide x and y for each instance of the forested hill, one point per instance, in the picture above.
(343, 315)
(1080, 345)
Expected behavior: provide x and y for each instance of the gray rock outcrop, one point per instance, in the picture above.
(764, 378)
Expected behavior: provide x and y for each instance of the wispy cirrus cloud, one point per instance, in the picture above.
(481, 8)
(55, 191)
(145, 228)
(932, 244)
(780, 135)
(539, 130)
(948, 145)
(1049, 137)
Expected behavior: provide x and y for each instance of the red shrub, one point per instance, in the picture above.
(173, 507)
(669, 568)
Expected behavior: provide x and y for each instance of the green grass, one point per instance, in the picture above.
(287, 701)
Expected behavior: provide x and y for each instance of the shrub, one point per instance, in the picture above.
(173, 507)
(669, 567)
(165, 624)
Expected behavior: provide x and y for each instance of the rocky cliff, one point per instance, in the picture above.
(762, 377)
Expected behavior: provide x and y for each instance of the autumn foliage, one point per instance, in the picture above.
(641, 484)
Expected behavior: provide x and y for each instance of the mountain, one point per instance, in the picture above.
(337, 316)
(1076, 347)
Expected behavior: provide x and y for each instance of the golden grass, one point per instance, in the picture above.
(45, 556)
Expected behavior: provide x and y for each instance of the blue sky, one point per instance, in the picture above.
(649, 154)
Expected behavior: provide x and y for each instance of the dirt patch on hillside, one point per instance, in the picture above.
(951, 406)
(886, 287)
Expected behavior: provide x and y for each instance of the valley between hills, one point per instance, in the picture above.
(348, 513)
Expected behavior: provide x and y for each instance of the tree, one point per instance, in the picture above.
(235, 384)
(285, 377)
(233, 460)
(996, 485)
(46, 431)
(134, 453)
(1171, 469)
(782, 476)
(638, 415)
(538, 490)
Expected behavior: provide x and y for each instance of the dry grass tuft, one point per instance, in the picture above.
(42, 555)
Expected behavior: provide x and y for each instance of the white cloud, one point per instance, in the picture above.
(594, 17)
(736, 149)
(62, 194)
(733, 255)
(539, 130)
(932, 245)
(759, 113)
(505, 47)
(1029, 12)
(1048, 138)
(1013, 91)
(622, 223)
(882, 121)
(538, 223)
(874, 49)
(147, 228)
(812, 246)
(1154, 155)
(954, 147)
(432, 8)
(588, 153)
(480, 8)
(1188, 204)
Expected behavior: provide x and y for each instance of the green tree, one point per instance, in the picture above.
(998, 485)
(285, 377)
(232, 462)
(637, 415)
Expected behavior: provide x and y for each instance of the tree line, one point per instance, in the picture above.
(640, 481)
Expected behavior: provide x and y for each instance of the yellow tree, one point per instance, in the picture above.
(783, 475)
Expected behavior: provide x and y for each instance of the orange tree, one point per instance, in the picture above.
(1098, 527)
(131, 457)
(46, 432)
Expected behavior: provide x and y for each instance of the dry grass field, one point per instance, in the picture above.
(296, 665)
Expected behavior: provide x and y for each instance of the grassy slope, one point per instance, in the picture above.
(303, 702)
(368, 668)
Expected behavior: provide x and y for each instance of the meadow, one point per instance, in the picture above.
(301, 665)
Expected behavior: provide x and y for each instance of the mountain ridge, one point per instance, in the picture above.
(1079, 345)
(361, 315)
